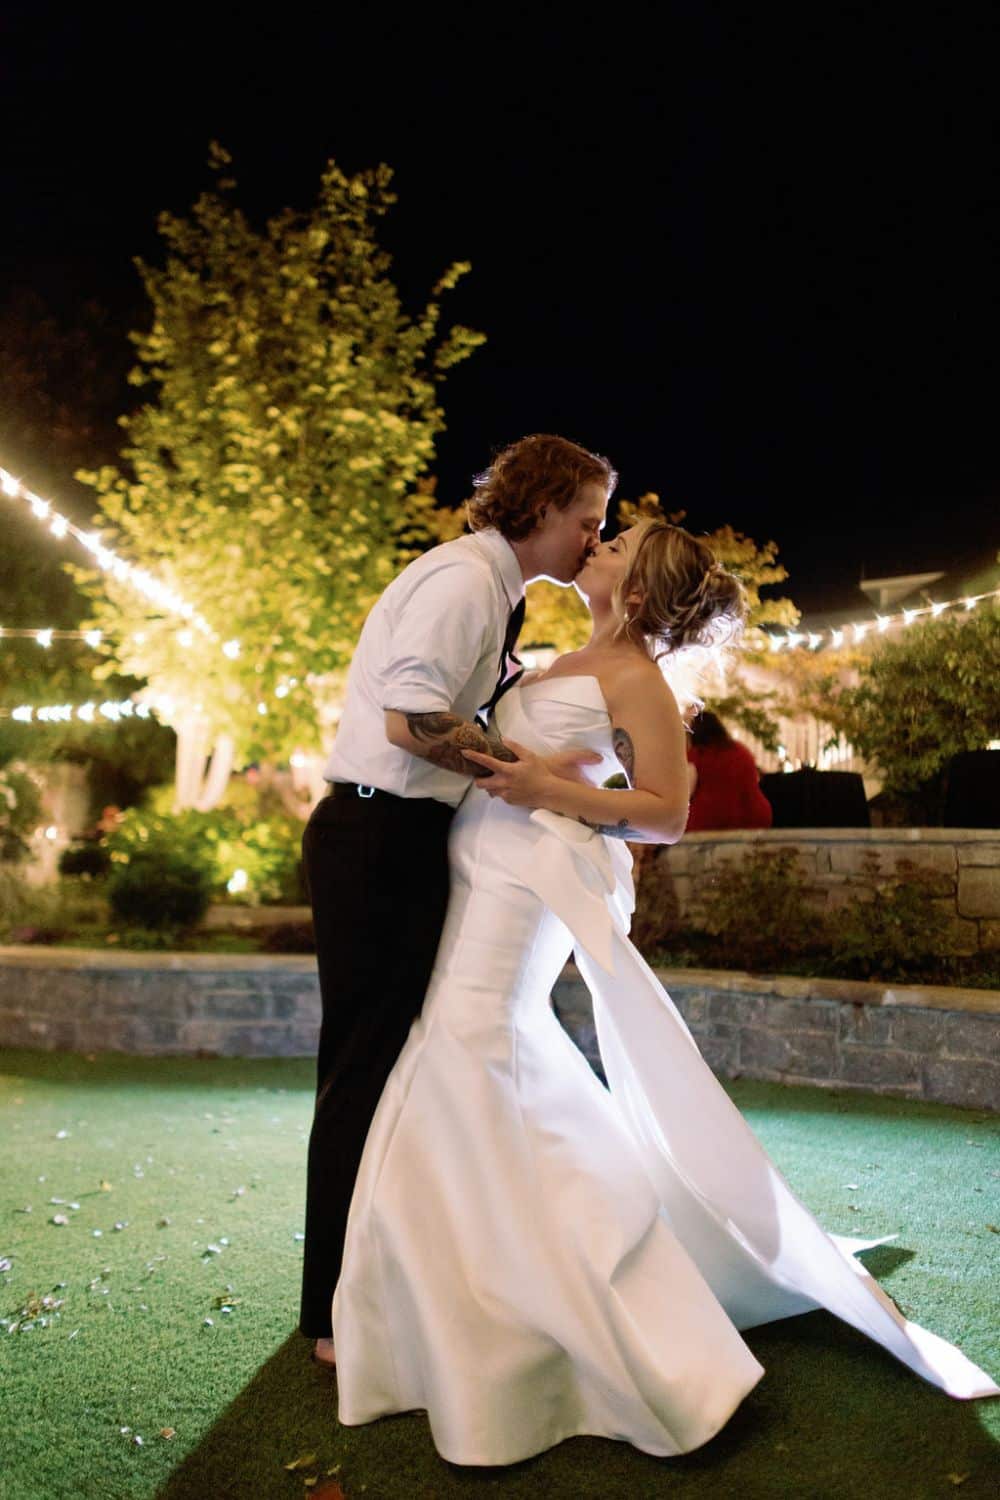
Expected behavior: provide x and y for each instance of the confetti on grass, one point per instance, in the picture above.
(304, 1461)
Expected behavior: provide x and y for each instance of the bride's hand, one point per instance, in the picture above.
(527, 782)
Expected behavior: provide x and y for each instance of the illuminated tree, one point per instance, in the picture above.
(272, 479)
(922, 699)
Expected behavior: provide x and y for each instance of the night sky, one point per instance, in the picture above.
(753, 260)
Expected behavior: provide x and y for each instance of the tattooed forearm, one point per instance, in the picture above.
(621, 741)
(619, 830)
(447, 735)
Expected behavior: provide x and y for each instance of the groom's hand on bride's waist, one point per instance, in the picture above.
(527, 781)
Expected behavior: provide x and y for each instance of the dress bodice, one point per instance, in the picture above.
(582, 875)
(556, 713)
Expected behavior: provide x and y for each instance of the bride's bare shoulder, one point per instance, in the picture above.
(636, 680)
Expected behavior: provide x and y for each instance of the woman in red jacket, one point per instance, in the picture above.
(726, 793)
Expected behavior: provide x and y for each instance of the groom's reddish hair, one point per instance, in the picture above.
(528, 476)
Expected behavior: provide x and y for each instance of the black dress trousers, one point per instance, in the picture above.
(377, 871)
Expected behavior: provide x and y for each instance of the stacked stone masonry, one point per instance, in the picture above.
(917, 1042)
(935, 1044)
(965, 864)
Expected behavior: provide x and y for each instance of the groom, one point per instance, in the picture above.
(435, 655)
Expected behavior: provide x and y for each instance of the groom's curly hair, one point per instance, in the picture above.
(527, 477)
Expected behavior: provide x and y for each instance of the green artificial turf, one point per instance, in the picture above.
(210, 1153)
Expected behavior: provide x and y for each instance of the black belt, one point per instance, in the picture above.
(340, 789)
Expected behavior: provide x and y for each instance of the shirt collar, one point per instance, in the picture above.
(503, 557)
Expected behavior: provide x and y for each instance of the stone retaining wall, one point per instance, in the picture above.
(965, 864)
(940, 1044)
(919, 1042)
(229, 1005)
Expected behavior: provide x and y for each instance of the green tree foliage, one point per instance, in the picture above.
(272, 477)
(924, 698)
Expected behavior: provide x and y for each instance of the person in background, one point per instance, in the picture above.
(724, 781)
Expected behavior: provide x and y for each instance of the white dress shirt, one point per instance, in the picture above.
(431, 643)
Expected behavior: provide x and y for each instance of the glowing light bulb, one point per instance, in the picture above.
(10, 484)
(231, 649)
(93, 637)
(237, 882)
(909, 615)
(814, 640)
(883, 623)
(937, 608)
(44, 638)
(59, 526)
(837, 637)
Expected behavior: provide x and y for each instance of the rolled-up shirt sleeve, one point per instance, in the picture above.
(438, 636)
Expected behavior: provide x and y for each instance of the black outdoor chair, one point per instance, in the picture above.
(816, 799)
(972, 790)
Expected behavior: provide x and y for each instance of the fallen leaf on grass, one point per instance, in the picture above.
(304, 1461)
(59, 1219)
(168, 1432)
(105, 1185)
(958, 1478)
(993, 1228)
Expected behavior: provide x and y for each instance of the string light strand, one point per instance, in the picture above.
(122, 571)
(854, 634)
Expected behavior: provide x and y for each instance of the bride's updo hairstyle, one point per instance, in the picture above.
(688, 597)
(530, 475)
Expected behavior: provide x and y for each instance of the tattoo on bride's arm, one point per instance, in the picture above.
(446, 736)
(619, 830)
(621, 741)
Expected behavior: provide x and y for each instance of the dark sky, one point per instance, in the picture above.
(752, 259)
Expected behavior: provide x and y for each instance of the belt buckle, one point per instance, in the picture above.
(366, 791)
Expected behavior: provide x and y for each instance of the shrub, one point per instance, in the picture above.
(46, 913)
(895, 926)
(220, 843)
(85, 857)
(159, 888)
(20, 810)
(758, 911)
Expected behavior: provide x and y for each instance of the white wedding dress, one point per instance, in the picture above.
(530, 1256)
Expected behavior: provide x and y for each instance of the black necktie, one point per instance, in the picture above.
(504, 683)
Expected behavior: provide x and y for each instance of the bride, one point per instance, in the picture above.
(531, 1256)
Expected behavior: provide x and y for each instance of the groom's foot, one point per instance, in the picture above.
(323, 1353)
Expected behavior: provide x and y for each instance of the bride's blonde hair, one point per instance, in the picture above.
(687, 598)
